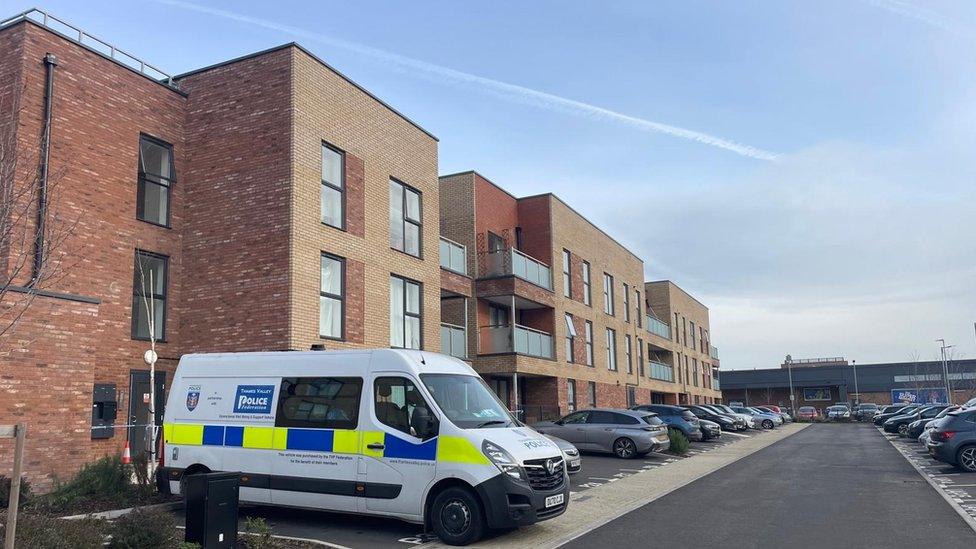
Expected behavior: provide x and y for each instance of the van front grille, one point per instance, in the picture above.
(539, 476)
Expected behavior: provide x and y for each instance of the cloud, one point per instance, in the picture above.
(512, 92)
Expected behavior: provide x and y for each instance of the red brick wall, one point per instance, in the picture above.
(534, 219)
(355, 195)
(237, 239)
(355, 300)
(99, 111)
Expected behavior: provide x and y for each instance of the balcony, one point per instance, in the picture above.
(454, 256)
(713, 351)
(521, 340)
(658, 328)
(511, 262)
(454, 340)
(661, 371)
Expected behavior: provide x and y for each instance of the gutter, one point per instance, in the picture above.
(50, 61)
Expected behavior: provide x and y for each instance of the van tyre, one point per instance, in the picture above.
(624, 448)
(966, 458)
(457, 517)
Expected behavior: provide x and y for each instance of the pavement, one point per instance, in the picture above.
(829, 485)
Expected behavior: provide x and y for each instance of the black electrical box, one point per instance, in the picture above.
(210, 503)
(104, 410)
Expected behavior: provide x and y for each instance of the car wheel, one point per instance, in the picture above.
(767, 424)
(967, 458)
(624, 448)
(456, 517)
(903, 430)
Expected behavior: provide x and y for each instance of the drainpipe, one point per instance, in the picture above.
(50, 61)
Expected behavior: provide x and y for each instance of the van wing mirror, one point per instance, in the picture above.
(423, 423)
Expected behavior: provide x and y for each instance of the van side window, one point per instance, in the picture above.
(395, 400)
(319, 402)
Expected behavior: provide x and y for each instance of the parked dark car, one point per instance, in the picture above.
(899, 424)
(725, 421)
(917, 427)
(676, 417)
(892, 411)
(709, 429)
(740, 423)
(865, 411)
(954, 439)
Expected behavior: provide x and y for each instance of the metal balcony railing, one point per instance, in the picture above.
(454, 256)
(98, 45)
(658, 328)
(713, 351)
(661, 371)
(513, 262)
(454, 340)
(522, 340)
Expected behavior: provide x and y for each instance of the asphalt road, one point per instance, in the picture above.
(830, 485)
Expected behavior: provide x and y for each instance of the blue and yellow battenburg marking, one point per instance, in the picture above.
(338, 441)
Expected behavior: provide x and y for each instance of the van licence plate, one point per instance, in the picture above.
(555, 500)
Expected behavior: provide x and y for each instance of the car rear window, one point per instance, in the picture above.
(687, 414)
(652, 419)
(624, 419)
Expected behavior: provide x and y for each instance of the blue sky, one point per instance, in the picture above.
(856, 240)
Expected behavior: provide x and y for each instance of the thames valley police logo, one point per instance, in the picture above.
(192, 397)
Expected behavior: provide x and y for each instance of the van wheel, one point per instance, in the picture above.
(967, 458)
(457, 517)
(624, 448)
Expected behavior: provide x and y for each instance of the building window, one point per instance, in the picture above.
(588, 337)
(611, 349)
(149, 296)
(587, 295)
(694, 371)
(567, 278)
(570, 338)
(405, 317)
(626, 303)
(627, 350)
(405, 212)
(497, 315)
(332, 293)
(156, 176)
(694, 346)
(571, 395)
(679, 369)
(640, 357)
(591, 393)
(333, 192)
(677, 334)
(684, 331)
(638, 309)
(607, 294)
(631, 396)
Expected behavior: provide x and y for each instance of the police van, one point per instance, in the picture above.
(407, 434)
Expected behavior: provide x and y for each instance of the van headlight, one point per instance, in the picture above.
(503, 460)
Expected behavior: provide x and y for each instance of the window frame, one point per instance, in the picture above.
(137, 283)
(588, 341)
(142, 180)
(608, 297)
(571, 395)
(638, 308)
(341, 297)
(611, 349)
(567, 274)
(628, 348)
(342, 190)
(397, 377)
(587, 283)
(626, 303)
(419, 315)
(570, 339)
(282, 421)
(419, 222)
(591, 394)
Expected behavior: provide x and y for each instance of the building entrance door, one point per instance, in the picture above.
(139, 407)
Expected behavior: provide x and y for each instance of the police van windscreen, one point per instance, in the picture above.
(467, 401)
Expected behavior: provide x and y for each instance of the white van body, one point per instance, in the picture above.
(303, 430)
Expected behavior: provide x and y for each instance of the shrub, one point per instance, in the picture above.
(679, 442)
(105, 480)
(145, 529)
(25, 490)
(257, 534)
(41, 532)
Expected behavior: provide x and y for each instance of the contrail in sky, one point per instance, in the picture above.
(925, 15)
(504, 90)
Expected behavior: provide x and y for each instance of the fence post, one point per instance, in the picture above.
(19, 433)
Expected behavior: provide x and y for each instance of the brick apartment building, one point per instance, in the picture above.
(558, 319)
(273, 200)
(270, 203)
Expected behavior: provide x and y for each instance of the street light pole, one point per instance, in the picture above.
(857, 398)
(789, 368)
(945, 370)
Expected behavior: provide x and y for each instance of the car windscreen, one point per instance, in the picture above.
(467, 401)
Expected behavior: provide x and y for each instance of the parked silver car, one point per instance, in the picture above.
(574, 463)
(747, 418)
(624, 433)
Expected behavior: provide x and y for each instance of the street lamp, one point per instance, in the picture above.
(857, 398)
(945, 370)
(789, 368)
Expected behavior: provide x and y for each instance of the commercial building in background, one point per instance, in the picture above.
(882, 383)
(683, 351)
(264, 203)
(558, 320)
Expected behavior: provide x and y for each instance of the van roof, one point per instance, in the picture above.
(412, 360)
